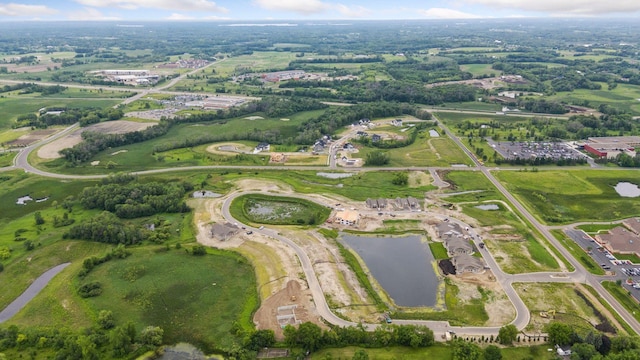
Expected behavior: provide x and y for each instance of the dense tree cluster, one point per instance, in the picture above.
(30, 88)
(107, 228)
(136, 199)
(69, 116)
(104, 340)
(311, 337)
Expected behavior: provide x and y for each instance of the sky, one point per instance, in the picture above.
(300, 10)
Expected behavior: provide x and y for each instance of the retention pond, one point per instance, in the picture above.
(401, 265)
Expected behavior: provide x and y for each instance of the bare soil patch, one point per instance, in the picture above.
(52, 149)
(293, 294)
(31, 137)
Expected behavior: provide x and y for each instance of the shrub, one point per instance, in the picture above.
(91, 289)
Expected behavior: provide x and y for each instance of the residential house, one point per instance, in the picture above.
(376, 138)
(263, 146)
(396, 122)
(468, 264)
(458, 245)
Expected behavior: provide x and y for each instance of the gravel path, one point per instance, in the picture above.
(31, 292)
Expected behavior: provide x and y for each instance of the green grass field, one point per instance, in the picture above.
(624, 97)
(141, 155)
(570, 308)
(570, 196)
(438, 250)
(624, 298)
(425, 151)
(195, 299)
(6, 158)
(14, 106)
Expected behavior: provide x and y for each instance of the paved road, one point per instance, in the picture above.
(438, 327)
(580, 274)
(31, 292)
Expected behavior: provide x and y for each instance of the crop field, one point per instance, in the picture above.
(571, 196)
(258, 61)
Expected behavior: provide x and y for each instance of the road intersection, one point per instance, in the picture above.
(579, 275)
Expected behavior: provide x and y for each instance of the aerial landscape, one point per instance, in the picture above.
(316, 180)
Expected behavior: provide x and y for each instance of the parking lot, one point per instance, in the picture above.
(621, 269)
(533, 149)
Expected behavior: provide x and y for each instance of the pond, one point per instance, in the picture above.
(627, 189)
(488, 207)
(401, 265)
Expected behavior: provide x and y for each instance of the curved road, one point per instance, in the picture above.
(522, 313)
(31, 292)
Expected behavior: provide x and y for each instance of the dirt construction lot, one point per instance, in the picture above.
(52, 149)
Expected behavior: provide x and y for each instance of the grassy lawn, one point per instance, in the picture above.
(631, 257)
(478, 69)
(624, 298)
(438, 250)
(440, 352)
(277, 210)
(469, 312)
(425, 151)
(578, 253)
(570, 307)
(6, 158)
(569, 196)
(595, 228)
(194, 299)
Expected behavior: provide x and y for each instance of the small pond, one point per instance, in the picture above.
(627, 189)
(402, 266)
(488, 207)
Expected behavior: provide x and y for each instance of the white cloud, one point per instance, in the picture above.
(89, 14)
(444, 13)
(179, 17)
(12, 9)
(575, 7)
(305, 7)
(353, 12)
(181, 5)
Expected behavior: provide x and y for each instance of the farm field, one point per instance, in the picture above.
(562, 197)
